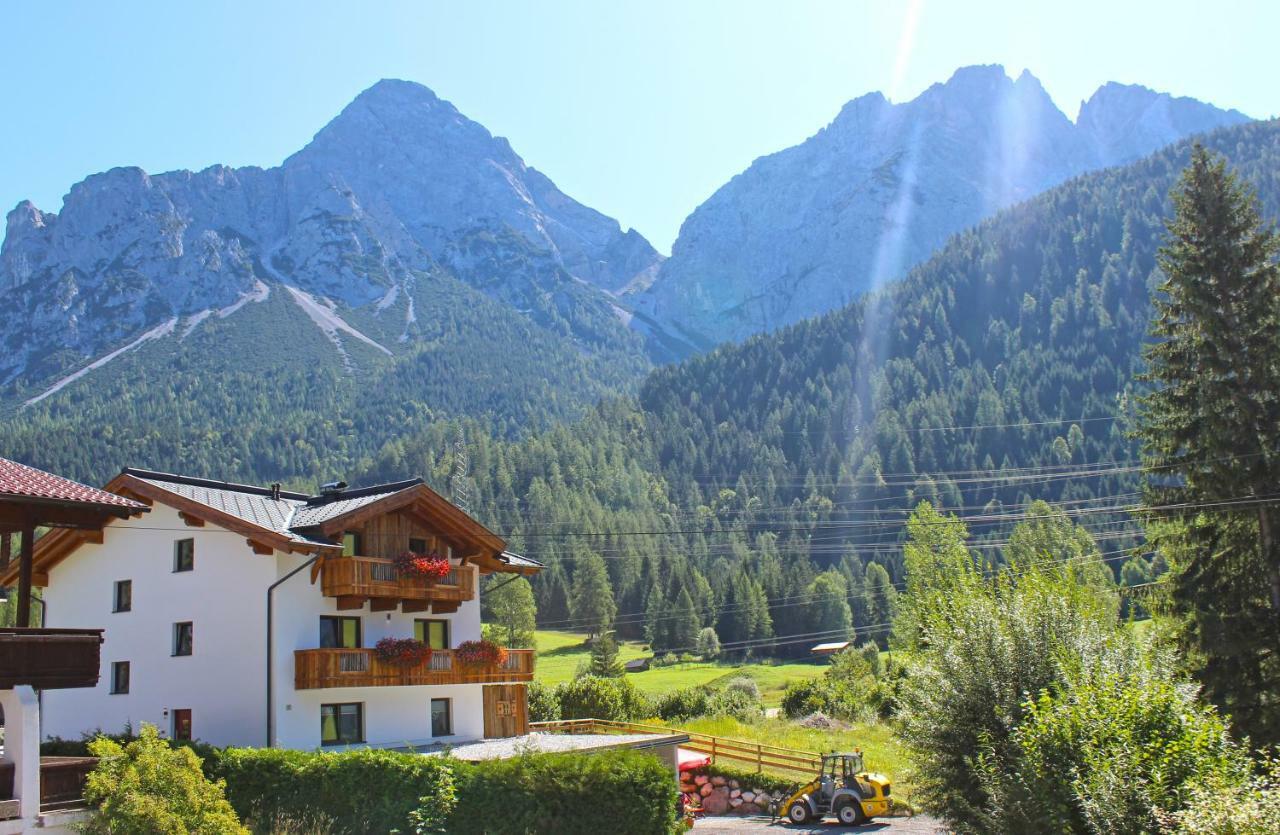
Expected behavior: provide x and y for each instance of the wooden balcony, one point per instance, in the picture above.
(355, 580)
(317, 668)
(49, 659)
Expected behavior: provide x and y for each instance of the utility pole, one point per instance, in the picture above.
(459, 479)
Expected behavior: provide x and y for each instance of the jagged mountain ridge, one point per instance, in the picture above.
(400, 185)
(811, 227)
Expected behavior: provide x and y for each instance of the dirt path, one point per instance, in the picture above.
(918, 825)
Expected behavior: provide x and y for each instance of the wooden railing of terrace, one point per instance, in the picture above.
(355, 580)
(319, 668)
(757, 755)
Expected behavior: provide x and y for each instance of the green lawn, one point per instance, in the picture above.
(559, 654)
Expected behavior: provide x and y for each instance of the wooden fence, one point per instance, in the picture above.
(753, 754)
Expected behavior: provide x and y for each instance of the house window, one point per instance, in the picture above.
(341, 724)
(433, 633)
(417, 546)
(182, 723)
(184, 555)
(352, 544)
(441, 718)
(123, 598)
(339, 632)
(119, 677)
(182, 638)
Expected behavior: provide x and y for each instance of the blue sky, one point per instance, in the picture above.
(638, 109)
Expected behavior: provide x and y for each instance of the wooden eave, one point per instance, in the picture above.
(431, 507)
(57, 545)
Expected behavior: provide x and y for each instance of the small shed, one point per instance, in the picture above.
(637, 665)
(827, 650)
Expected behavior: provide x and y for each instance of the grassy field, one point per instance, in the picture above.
(560, 653)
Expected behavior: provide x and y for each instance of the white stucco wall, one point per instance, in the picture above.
(224, 681)
(222, 597)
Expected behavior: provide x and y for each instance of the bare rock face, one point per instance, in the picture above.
(400, 183)
(812, 227)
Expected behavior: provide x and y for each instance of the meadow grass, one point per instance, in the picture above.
(560, 653)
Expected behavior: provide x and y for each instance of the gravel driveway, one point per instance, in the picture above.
(918, 825)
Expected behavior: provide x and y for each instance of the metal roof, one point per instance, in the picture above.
(289, 515)
(517, 561)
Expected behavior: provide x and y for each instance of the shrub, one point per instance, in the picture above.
(617, 791)
(667, 659)
(685, 703)
(1109, 755)
(480, 653)
(403, 652)
(593, 697)
(747, 685)
(1219, 806)
(543, 704)
(735, 703)
(708, 644)
(984, 651)
(342, 792)
(687, 658)
(805, 696)
(56, 746)
(146, 786)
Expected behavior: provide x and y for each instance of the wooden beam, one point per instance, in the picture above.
(442, 607)
(24, 572)
(411, 606)
(191, 520)
(260, 548)
(349, 601)
(316, 568)
(93, 537)
(383, 604)
(40, 579)
(12, 518)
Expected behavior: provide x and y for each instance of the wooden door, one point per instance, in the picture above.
(506, 710)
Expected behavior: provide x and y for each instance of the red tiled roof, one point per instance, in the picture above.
(20, 481)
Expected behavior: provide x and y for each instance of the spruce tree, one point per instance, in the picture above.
(1210, 432)
(828, 608)
(592, 599)
(684, 623)
(604, 657)
(882, 603)
(656, 624)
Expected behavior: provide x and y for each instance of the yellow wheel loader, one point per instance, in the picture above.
(842, 788)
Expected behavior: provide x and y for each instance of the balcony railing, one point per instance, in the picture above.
(370, 577)
(48, 659)
(317, 668)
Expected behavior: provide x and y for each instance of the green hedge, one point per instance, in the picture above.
(567, 794)
(339, 792)
(275, 790)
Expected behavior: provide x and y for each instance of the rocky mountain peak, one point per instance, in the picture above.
(398, 185)
(1126, 121)
(809, 228)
